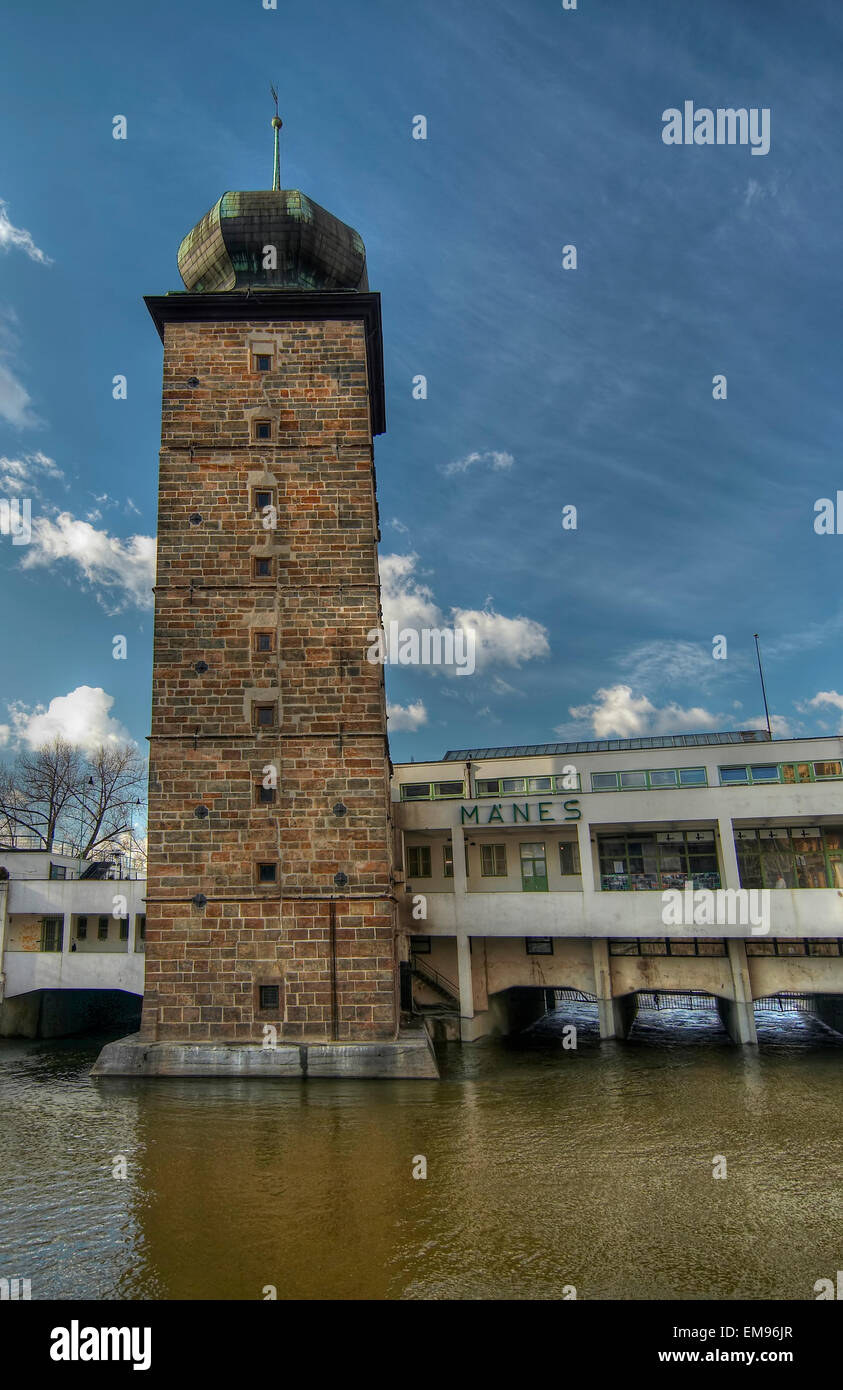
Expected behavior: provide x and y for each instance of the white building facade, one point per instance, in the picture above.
(610, 867)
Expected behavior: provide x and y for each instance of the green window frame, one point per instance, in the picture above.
(649, 861)
(102, 929)
(442, 791)
(604, 781)
(415, 791)
(559, 784)
(649, 779)
(493, 861)
(749, 774)
(418, 861)
(448, 860)
(487, 786)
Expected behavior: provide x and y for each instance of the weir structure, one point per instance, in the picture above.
(271, 932)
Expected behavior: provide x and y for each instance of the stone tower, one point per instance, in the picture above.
(270, 886)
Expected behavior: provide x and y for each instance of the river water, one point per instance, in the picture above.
(546, 1167)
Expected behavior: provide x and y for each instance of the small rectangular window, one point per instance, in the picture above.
(102, 929)
(448, 789)
(262, 430)
(81, 929)
(633, 780)
(58, 871)
(418, 861)
(493, 861)
(539, 945)
(663, 777)
(265, 716)
(569, 858)
(264, 642)
(267, 872)
(764, 772)
(561, 779)
(51, 934)
(262, 567)
(538, 784)
(693, 777)
(420, 945)
(262, 497)
(730, 776)
(261, 361)
(512, 784)
(265, 795)
(269, 997)
(827, 769)
(487, 786)
(124, 929)
(448, 860)
(415, 791)
(604, 781)
(141, 921)
(624, 948)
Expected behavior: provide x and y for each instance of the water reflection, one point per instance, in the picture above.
(546, 1167)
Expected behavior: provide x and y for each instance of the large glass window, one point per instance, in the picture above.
(667, 859)
(652, 778)
(789, 857)
(743, 776)
(569, 857)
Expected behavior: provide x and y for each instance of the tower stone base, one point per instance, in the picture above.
(407, 1056)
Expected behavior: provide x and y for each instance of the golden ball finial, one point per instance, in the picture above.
(277, 122)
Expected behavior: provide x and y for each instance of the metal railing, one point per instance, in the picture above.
(433, 977)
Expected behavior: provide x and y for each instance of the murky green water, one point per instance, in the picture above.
(546, 1168)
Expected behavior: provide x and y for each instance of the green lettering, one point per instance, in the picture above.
(574, 808)
(516, 812)
(495, 813)
(545, 806)
(473, 814)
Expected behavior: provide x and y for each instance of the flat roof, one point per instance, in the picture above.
(611, 745)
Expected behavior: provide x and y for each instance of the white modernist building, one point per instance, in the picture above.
(70, 929)
(582, 866)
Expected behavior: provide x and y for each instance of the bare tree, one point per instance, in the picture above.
(106, 800)
(43, 787)
(59, 792)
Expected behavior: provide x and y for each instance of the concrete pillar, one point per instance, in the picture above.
(616, 1014)
(480, 976)
(586, 862)
(4, 926)
(737, 1015)
(464, 975)
(728, 853)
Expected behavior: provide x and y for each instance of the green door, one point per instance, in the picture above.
(533, 869)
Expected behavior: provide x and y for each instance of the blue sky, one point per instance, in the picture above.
(546, 387)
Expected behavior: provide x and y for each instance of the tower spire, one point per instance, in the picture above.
(276, 125)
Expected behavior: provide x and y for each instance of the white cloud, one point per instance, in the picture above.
(399, 526)
(828, 699)
(781, 727)
(406, 718)
(498, 461)
(616, 712)
(15, 400)
(24, 475)
(17, 236)
(500, 641)
(82, 717)
(5, 734)
(123, 571)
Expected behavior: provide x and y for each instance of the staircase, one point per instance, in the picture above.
(448, 992)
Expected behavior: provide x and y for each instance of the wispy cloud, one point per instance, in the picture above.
(25, 474)
(498, 462)
(19, 238)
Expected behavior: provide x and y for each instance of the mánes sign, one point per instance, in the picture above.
(511, 813)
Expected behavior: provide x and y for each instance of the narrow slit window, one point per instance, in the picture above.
(262, 430)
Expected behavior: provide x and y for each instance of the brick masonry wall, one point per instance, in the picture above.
(337, 974)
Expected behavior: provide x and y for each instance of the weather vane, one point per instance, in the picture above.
(276, 125)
